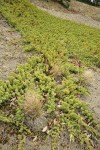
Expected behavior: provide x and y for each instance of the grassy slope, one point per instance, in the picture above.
(61, 48)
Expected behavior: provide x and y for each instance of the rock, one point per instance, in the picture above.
(39, 123)
(36, 125)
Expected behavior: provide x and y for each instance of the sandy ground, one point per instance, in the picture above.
(78, 12)
(93, 83)
(10, 49)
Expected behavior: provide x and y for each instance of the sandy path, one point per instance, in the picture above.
(75, 17)
(10, 49)
(93, 80)
(81, 12)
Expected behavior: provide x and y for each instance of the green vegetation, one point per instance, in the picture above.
(60, 51)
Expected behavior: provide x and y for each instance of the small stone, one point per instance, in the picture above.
(39, 124)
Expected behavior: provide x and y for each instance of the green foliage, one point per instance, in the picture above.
(52, 35)
(5, 119)
(52, 41)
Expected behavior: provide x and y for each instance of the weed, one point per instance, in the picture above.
(32, 104)
(56, 70)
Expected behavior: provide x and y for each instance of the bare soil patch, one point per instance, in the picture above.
(10, 49)
(93, 80)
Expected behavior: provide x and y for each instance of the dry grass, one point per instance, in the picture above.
(33, 104)
(56, 70)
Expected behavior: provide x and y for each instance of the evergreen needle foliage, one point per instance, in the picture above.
(59, 49)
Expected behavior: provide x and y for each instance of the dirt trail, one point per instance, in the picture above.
(79, 12)
(10, 49)
(93, 80)
(75, 17)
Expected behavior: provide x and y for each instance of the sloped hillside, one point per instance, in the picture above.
(50, 84)
(79, 11)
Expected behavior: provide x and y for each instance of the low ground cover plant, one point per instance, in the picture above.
(61, 49)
